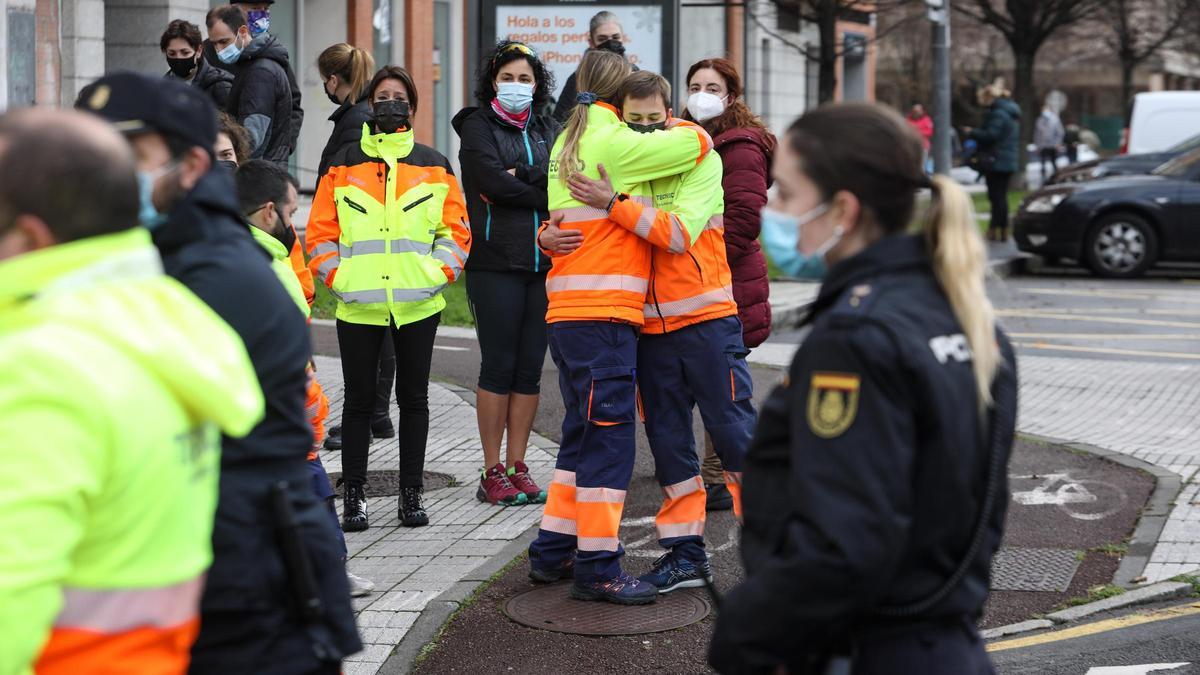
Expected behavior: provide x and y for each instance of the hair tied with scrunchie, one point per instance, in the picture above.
(586, 98)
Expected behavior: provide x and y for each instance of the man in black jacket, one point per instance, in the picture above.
(265, 608)
(265, 97)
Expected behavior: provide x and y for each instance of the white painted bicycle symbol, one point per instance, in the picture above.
(641, 539)
(1083, 499)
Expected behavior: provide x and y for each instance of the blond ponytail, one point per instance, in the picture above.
(352, 65)
(960, 264)
(600, 73)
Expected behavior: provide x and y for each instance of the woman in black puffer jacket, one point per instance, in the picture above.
(504, 157)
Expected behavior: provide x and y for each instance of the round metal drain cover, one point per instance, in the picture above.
(386, 482)
(552, 608)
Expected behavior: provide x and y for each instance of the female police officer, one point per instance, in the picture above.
(874, 491)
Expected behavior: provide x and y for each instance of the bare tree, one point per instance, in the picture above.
(825, 14)
(1138, 29)
(1026, 25)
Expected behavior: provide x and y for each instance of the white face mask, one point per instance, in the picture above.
(705, 106)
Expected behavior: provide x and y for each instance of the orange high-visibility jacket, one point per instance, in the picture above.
(607, 277)
(690, 281)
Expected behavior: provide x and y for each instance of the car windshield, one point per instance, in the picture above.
(1186, 145)
(1180, 166)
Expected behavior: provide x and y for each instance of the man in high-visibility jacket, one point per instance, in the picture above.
(596, 297)
(691, 352)
(117, 384)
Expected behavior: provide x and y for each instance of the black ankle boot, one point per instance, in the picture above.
(354, 508)
(412, 513)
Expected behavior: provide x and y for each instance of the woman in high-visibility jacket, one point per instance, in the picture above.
(596, 297)
(387, 232)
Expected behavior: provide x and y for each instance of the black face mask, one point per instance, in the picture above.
(334, 99)
(647, 128)
(229, 164)
(391, 116)
(285, 233)
(182, 67)
(615, 46)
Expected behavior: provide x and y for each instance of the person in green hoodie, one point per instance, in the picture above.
(118, 382)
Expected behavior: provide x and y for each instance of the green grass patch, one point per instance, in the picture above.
(457, 313)
(1114, 550)
(1094, 594)
(1190, 579)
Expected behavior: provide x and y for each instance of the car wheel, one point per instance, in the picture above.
(1120, 245)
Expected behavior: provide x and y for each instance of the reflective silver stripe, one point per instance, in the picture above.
(327, 266)
(684, 488)
(448, 259)
(410, 246)
(598, 543)
(452, 245)
(669, 530)
(370, 297)
(559, 525)
(645, 222)
(599, 495)
(116, 610)
(644, 201)
(564, 477)
(577, 214)
(596, 282)
(677, 234)
(688, 305)
(717, 222)
(734, 477)
(414, 294)
(362, 248)
(324, 247)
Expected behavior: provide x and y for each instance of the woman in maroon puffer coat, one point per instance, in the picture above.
(746, 148)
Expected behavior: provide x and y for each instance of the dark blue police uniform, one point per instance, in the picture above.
(865, 481)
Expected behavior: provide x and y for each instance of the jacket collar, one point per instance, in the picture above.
(270, 244)
(210, 210)
(891, 253)
(346, 107)
(388, 147)
(123, 254)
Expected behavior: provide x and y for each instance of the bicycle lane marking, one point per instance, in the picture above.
(646, 546)
(1070, 492)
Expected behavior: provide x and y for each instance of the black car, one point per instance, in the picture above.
(1122, 165)
(1121, 226)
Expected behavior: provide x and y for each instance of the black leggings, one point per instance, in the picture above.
(360, 345)
(997, 192)
(510, 318)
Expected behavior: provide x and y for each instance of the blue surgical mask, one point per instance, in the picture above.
(148, 215)
(259, 20)
(231, 53)
(781, 238)
(515, 97)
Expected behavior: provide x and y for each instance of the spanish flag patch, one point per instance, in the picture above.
(832, 403)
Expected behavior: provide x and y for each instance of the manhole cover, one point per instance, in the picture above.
(1033, 569)
(552, 608)
(386, 483)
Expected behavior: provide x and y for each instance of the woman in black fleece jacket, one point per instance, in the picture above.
(504, 157)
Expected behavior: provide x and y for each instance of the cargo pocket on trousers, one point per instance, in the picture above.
(613, 396)
(741, 387)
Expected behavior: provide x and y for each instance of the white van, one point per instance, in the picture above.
(1161, 119)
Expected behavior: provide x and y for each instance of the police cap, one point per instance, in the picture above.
(137, 103)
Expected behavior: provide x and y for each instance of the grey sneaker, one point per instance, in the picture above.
(359, 587)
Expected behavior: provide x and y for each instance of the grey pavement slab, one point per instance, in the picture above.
(1152, 593)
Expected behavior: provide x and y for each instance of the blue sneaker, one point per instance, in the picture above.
(620, 590)
(671, 572)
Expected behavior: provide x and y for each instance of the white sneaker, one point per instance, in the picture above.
(359, 586)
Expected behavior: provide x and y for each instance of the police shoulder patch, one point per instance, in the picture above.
(832, 403)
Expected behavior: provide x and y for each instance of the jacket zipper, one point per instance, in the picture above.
(487, 228)
(356, 207)
(536, 220)
(697, 264)
(654, 297)
(419, 201)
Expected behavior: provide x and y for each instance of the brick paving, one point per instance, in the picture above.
(411, 566)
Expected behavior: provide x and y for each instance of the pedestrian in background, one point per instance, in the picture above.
(1048, 136)
(233, 142)
(1071, 134)
(922, 123)
(265, 97)
(877, 477)
(596, 304)
(181, 45)
(346, 73)
(998, 153)
(251, 618)
(110, 519)
(387, 233)
(604, 32)
(746, 147)
(505, 154)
